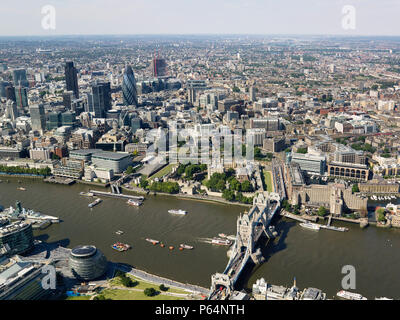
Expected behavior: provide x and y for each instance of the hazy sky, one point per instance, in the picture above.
(373, 17)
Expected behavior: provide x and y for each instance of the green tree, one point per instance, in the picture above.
(246, 186)
(163, 288)
(129, 170)
(322, 211)
(150, 292)
(355, 188)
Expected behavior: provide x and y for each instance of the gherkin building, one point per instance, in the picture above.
(129, 88)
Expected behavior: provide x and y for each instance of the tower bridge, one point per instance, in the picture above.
(250, 227)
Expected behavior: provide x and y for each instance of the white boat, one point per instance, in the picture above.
(350, 295)
(222, 235)
(119, 232)
(185, 246)
(231, 237)
(86, 194)
(154, 242)
(311, 226)
(94, 203)
(383, 298)
(221, 242)
(179, 211)
(134, 203)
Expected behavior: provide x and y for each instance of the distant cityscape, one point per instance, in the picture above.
(291, 128)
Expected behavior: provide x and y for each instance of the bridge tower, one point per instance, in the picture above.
(220, 280)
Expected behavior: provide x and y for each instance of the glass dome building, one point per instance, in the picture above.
(87, 262)
(129, 91)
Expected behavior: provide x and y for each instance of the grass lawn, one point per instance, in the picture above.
(78, 298)
(144, 284)
(116, 294)
(167, 169)
(268, 180)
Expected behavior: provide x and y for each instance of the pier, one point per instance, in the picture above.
(116, 195)
(250, 227)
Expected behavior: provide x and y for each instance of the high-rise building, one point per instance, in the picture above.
(11, 110)
(158, 67)
(19, 77)
(37, 117)
(67, 98)
(71, 78)
(21, 96)
(129, 90)
(3, 86)
(99, 101)
(10, 93)
(53, 120)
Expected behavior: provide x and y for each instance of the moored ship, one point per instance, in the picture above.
(311, 226)
(21, 213)
(134, 203)
(350, 295)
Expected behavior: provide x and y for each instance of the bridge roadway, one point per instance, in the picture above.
(260, 219)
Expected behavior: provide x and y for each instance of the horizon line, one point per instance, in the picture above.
(203, 34)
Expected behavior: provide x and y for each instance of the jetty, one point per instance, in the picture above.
(116, 195)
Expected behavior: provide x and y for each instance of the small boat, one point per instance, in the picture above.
(222, 235)
(221, 242)
(350, 295)
(119, 232)
(231, 237)
(21, 188)
(171, 248)
(86, 194)
(94, 203)
(154, 242)
(162, 245)
(179, 211)
(383, 298)
(134, 203)
(119, 246)
(180, 249)
(311, 226)
(185, 246)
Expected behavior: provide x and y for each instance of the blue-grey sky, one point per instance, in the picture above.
(373, 17)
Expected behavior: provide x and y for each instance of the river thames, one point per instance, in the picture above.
(314, 258)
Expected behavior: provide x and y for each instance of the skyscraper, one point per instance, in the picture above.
(10, 93)
(11, 110)
(71, 78)
(99, 101)
(21, 96)
(37, 117)
(67, 98)
(19, 77)
(158, 67)
(129, 91)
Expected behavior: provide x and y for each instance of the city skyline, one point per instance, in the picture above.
(287, 17)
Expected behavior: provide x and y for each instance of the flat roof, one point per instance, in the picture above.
(110, 155)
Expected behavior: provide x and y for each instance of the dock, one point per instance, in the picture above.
(116, 195)
(59, 180)
(300, 219)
